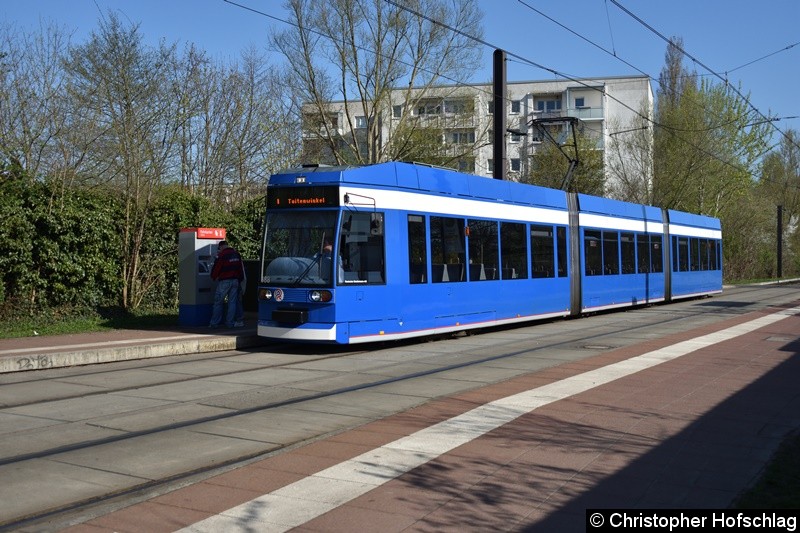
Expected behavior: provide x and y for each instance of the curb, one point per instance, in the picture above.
(49, 359)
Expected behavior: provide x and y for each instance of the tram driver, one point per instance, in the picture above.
(326, 262)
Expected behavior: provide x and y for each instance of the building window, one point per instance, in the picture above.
(490, 165)
(491, 107)
(580, 102)
(515, 106)
(466, 165)
(456, 107)
(361, 122)
(461, 136)
(397, 111)
(550, 106)
(515, 164)
(429, 108)
(515, 137)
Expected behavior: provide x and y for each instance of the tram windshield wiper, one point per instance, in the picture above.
(305, 272)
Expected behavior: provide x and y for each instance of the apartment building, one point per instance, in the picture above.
(460, 121)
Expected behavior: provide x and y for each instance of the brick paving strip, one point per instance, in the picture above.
(531, 452)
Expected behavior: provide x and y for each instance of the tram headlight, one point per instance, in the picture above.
(264, 294)
(320, 296)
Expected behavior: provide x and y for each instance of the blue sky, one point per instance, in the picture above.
(722, 35)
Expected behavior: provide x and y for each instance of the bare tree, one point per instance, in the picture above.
(237, 128)
(124, 91)
(629, 160)
(32, 110)
(358, 52)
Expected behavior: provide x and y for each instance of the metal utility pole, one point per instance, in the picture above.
(499, 115)
(780, 241)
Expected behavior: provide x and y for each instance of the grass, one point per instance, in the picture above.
(57, 324)
(779, 485)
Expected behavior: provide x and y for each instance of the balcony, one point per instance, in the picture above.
(317, 133)
(586, 113)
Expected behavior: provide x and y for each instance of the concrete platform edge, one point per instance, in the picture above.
(42, 361)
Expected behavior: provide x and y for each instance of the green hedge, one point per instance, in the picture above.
(63, 247)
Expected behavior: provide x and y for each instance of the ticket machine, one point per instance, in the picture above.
(197, 248)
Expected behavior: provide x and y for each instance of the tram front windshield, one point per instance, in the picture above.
(297, 248)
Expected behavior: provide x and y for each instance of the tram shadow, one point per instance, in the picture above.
(617, 455)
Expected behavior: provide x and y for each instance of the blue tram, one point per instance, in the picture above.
(397, 250)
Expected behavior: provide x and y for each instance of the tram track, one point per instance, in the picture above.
(333, 352)
(155, 366)
(721, 311)
(337, 353)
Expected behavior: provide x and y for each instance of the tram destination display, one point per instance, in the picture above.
(302, 197)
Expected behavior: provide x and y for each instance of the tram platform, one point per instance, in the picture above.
(56, 351)
(686, 421)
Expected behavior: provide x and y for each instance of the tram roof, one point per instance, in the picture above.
(428, 179)
(425, 179)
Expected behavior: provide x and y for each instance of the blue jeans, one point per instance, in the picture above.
(240, 301)
(225, 288)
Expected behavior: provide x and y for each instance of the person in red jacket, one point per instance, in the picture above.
(228, 272)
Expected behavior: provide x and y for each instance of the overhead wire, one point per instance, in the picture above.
(610, 31)
(522, 59)
(671, 129)
(557, 73)
(709, 69)
(613, 53)
(762, 58)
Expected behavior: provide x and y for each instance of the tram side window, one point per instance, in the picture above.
(694, 246)
(656, 254)
(628, 249)
(561, 245)
(361, 249)
(643, 253)
(447, 249)
(593, 249)
(513, 251)
(703, 249)
(674, 254)
(680, 258)
(712, 254)
(417, 249)
(543, 253)
(611, 252)
(483, 261)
